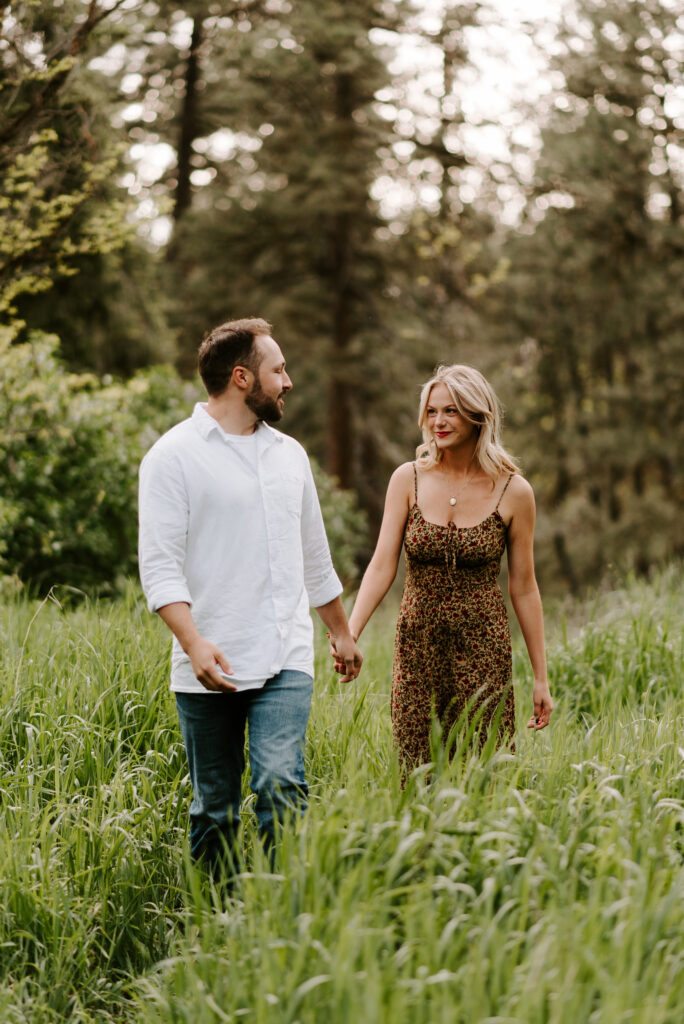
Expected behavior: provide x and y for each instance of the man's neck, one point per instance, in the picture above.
(231, 414)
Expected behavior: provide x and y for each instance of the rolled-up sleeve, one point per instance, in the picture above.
(320, 579)
(163, 511)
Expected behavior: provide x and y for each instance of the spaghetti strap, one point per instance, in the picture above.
(503, 492)
(415, 484)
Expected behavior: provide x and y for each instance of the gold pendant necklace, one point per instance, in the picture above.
(459, 492)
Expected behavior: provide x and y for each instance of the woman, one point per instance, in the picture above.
(455, 509)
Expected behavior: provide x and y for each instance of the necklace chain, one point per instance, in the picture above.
(459, 492)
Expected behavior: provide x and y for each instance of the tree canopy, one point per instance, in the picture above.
(165, 166)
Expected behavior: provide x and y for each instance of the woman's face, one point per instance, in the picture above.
(448, 427)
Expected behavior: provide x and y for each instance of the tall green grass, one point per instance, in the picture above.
(540, 887)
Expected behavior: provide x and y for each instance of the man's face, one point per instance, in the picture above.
(266, 398)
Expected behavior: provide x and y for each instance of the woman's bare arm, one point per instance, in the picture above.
(382, 567)
(522, 586)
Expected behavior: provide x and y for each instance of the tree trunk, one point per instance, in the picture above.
(188, 123)
(565, 562)
(369, 485)
(340, 389)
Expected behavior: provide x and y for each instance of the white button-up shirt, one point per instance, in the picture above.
(232, 526)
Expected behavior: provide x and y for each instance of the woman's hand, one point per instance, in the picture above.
(348, 666)
(333, 652)
(543, 705)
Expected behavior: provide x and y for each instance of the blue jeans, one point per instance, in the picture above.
(213, 728)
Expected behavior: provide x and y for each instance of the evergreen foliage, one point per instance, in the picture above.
(287, 220)
(292, 117)
(285, 128)
(593, 304)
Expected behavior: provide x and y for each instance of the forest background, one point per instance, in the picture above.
(166, 166)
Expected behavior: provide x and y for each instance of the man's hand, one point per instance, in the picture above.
(208, 662)
(346, 655)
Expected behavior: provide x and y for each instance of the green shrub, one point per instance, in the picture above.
(70, 446)
(345, 524)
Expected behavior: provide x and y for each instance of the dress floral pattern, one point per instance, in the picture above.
(452, 648)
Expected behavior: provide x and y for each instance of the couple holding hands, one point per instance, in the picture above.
(233, 553)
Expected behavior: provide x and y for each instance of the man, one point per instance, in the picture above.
(232, 554)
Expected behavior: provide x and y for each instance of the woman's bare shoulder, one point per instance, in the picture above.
(519, 496)
(519, 487)
(401, 485)
(404, 474)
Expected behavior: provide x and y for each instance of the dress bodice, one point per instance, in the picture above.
(458, 555)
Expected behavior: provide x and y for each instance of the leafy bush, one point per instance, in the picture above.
(70, 446)
(345, 524)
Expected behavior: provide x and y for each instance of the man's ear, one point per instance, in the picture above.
(242, 377)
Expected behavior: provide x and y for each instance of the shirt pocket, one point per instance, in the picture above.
(291, 494)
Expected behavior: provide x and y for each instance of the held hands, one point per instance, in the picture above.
(543, 706)
(209, 663)
(346, 656)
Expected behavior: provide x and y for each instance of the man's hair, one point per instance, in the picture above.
(227, 346)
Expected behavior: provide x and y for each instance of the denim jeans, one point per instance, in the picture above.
(213, 728)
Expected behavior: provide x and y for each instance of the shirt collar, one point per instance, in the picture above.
(205, 424)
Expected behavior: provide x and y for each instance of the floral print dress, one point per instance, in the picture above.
(452, 650)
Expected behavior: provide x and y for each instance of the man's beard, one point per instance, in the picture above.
(263, 407)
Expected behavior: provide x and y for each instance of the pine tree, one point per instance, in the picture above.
(595, 295)
(287, 228)
(281, 119)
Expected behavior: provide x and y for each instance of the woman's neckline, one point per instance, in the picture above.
(452, 526)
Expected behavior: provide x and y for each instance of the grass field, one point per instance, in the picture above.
(542, 887)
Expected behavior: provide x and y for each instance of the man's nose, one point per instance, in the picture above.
(287, 383)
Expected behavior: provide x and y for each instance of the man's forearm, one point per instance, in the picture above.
(178, 618)
(334, 617)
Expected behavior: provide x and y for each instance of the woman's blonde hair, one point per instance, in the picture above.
(474, 398)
